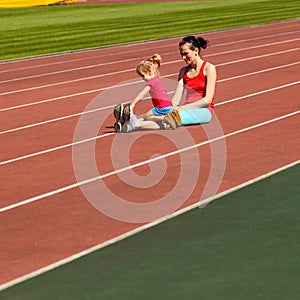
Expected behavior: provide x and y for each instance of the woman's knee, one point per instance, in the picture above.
(195, 116)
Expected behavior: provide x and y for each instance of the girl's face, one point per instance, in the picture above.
(147, 76)
(187, 54)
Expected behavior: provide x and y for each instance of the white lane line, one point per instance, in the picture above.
(55, 148)
(55, 120)
(252, 47)
(260, 71)
(68, 61)
(258, 93)
(139, 229)
(235, 41)
(55, 99)
(90, 180)
(65, 82)
(261, 56)
(109, 107)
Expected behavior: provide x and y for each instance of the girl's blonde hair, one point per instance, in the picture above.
(149, 64)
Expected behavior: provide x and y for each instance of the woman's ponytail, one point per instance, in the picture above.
(195, 42)
(202, 42)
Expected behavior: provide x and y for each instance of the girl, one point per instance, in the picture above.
(148, 70)
(162, 105)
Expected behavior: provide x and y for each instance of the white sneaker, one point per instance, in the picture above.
(134, 121)
(131, 125)
(127, 127)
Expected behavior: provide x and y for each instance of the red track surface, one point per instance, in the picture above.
(258, 71)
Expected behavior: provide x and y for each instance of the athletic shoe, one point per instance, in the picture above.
(177, 118)
(127, 112)
(127, 127)
(169, 120)
(118, 112)
(118, 126)
(131, 125)
(125, 119)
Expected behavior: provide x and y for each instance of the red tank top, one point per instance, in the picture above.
(196, 86)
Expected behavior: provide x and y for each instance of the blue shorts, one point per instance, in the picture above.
(160, 111)
(193, 116)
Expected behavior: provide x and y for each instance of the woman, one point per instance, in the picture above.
(198, 79)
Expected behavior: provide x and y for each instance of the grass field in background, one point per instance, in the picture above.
(42, 30)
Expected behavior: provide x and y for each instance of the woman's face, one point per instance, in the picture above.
(187, 54)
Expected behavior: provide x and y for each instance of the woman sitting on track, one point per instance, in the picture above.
(198, 78)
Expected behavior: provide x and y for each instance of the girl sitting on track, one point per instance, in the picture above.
(148, 70)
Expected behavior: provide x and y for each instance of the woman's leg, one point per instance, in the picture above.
(194, 116)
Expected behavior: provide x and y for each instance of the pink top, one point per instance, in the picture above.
(196, 87)
(158, 93)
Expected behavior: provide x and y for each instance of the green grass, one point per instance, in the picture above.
(241, 246)
(42, 30)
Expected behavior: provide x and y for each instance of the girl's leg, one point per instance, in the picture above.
(155, 114)
(147, 124)
(194, 116)
(140, 124)
(153, 118)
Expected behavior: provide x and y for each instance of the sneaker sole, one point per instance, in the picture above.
(118, 127)
(126, 113)
(118, 112)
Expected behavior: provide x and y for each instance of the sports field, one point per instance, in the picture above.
(200, 212)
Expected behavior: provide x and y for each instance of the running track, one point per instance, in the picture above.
(44, 215)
